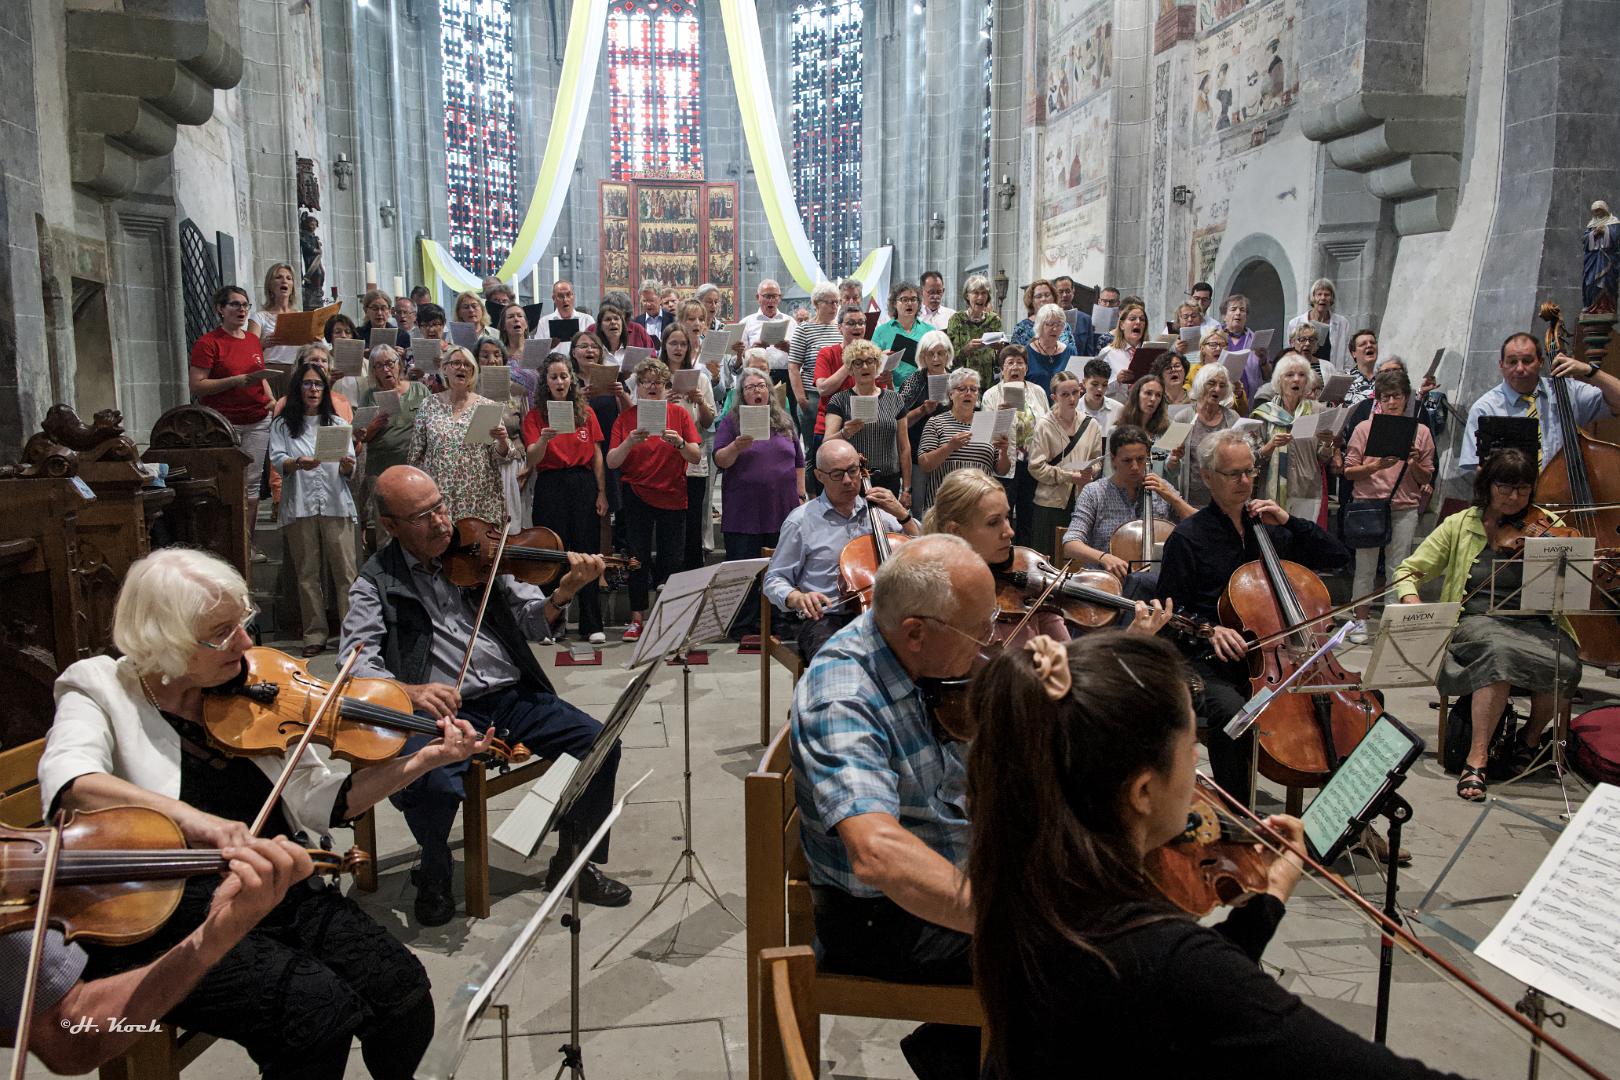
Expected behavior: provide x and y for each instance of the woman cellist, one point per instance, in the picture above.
(1082, 764)
(318, 971)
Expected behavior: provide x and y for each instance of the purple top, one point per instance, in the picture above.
(760, 488)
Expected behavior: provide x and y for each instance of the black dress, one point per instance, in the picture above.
(1184, 1000)
(315, 973)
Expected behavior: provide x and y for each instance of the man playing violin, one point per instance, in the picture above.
(413, 625)
(1199, 559)
(1110, 501)
(803, 575)
(318, 971)
(882, 793)
(261, 871)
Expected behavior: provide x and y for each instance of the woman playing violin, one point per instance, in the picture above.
(1490, 654)
(1082, 764)
(318, 971)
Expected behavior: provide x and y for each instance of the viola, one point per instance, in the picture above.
(858, 563)
(1211, 864)
(535, 556)
(119, 874)
(1089, 599)
(1302, 737)
(269, 708)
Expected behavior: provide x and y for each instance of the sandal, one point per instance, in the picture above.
(1471, 784)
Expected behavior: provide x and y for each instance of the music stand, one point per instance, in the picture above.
(492, 976)
(695, 607)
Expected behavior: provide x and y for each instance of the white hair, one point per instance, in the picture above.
(650, 285)
(768, 281)
(824, 290)
(975, 283)
(916, 580)
(1213, 443)
(1049, 313)
(960, 376)
(382, 351)
(704, 290)
(1205, 374)
(937, 339)
(1324, 283)
(1288, 365)
(165, 599)
(756, 353)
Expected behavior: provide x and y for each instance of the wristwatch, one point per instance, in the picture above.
(903, 522)
(1592, 370)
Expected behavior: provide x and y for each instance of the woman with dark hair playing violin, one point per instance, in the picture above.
(1082, 764)
(318, 971)
(1490, 654)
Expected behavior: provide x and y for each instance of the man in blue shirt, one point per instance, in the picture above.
(882, 793)
(1593, 394)
(803, 575)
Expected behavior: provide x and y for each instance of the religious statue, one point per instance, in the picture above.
(1601, 265)
(309, 244)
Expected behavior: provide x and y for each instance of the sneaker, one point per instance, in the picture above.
(259, 556)
(599, 638)
(1358, 632)
(633, 631)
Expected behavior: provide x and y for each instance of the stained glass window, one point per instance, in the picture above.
(987, 33)
(480, 130)
(654, 54)
(826, 36)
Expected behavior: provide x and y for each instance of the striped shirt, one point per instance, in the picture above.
(878, 440)
(936, 433)
(808, 341)
(862, 744)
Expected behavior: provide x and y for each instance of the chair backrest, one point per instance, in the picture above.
(19, 785)
(790, 1025)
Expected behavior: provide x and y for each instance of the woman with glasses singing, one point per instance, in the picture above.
(1489, 653)
(465, 464)
(947, 442)
(227, 374)
(317, 511)
(317, 972)
(388, 437)
(904, 328)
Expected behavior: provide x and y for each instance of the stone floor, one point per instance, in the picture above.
(669, 1001)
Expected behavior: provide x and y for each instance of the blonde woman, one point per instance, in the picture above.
(1065, 443)
(469, 476)
(277, 299)
(469, 308)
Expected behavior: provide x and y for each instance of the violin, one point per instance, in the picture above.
(119, 874)
(858, 563)
(1089, 599)
(1302, 737)
(1209, 865)
(535, 556)
(1535, 522)
(269, 707)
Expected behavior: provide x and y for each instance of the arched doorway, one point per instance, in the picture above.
(1259, 282)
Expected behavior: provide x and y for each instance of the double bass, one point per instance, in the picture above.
(1302, 737)
(1584, 472)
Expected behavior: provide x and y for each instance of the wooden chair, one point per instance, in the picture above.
(780, 915)
(772, 648)
(785, 978)
(160, 1055)
(481, 785)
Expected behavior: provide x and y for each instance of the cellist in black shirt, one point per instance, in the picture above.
(1199, 559)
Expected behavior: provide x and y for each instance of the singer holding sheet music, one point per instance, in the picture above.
(947, 442)
(317, 511)
(1292, 475)
(444, 448)
(1490, 654)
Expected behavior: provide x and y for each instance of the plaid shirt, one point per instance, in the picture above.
(1101, 508)
(862, 744)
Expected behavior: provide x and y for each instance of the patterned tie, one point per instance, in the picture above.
(1533, 413)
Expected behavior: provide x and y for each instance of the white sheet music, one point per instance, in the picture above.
(1562, 935)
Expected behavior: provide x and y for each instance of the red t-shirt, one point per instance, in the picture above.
(655, 470)
(828, 360)
(564, 451)
(220, 356)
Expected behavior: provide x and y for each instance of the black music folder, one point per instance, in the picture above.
(562, 329)
(1390, 436)
(1498, 432)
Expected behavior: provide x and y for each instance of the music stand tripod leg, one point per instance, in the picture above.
(573, 1057)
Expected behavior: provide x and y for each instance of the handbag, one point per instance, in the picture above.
(1370, 523)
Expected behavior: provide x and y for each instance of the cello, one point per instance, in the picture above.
(1142, 539)
(858, 563)
(1583, 473)
(1302, 737)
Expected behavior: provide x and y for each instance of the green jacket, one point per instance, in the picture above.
(1451, 548)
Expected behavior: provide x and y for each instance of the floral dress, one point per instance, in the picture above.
(469, 477)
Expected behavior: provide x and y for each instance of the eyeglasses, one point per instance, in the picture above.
(384, 362)
(851, 473)
(313, 384)
(224, 641)
(422, 517)
(1513, 489)
(989, 627)
(236, 305)
(1237, 474)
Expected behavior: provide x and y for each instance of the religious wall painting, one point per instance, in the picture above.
(1073, 242)
(1079, 57)
(615, 199)
(1075, 157)
(680, 234)
(1212, 13)
(1246, 73)
(1206, 251)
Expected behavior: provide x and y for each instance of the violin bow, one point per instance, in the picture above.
(483, 603)
(1260, 643)
(1035, 605)
(1256, 826)
(36, 949)
(333, 693)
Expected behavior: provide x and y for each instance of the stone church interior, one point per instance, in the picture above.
(792, 538)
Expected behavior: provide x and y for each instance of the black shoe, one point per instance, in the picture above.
(435, 906)
(595, 887)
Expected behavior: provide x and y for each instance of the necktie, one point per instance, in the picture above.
(1533, 413)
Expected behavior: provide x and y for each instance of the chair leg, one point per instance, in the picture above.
(764, 669)
(151, 1057)
(475, 842)
(365, 838)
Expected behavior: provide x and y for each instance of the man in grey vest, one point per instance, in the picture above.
(412, 625)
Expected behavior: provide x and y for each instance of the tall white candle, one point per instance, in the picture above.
(399, 284)
(371, 275)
